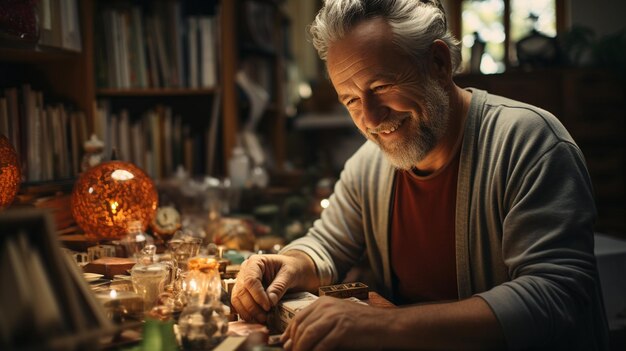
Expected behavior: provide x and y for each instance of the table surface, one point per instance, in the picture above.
(376, 300)
(607, 245)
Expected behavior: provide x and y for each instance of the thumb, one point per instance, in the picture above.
(279, 286)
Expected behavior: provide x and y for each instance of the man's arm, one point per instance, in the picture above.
(464, 325)
(332, 323)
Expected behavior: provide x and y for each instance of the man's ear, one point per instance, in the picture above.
(440, 62)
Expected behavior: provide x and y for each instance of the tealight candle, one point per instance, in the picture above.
(120, 305)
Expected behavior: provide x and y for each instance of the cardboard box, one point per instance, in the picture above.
(286, 309)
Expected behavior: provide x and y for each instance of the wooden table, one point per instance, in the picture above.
(376, 300)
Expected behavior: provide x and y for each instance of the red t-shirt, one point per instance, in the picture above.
(423, 256)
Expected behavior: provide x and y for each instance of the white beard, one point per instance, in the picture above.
(425, 132)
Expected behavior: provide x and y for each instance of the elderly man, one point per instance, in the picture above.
(476, 211)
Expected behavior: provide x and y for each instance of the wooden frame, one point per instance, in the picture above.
(44, 301)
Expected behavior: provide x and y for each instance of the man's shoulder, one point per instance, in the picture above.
(514, 117)
(500, 106)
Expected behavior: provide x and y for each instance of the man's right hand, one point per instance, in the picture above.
(264, 279)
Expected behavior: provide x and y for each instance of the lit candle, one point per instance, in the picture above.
(117, 310)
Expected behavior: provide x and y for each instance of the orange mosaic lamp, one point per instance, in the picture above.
(112, 196)
(10, 173)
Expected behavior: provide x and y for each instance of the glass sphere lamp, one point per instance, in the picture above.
(10, 173)
(112, 196)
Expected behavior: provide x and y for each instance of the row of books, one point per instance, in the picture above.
(47, 136)
(157, 141)
(159, 47)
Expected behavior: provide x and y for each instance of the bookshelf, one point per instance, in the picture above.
(74, 77)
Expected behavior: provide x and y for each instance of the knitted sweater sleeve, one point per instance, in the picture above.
(547, 247)
(336, 241)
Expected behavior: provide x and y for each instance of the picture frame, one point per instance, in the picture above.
(44, 301)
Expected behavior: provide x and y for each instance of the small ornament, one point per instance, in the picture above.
(166, 221)
(94, 155)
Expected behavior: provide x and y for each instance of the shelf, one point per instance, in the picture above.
(108, 92)
(331, 120)
(43, 187)
(33, 53)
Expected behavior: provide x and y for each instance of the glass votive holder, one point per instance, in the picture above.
(182, 247)
(148, 281)
(121, 305)
(202, 327)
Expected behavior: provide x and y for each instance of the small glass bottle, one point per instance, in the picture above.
(239, 168)
(93, 153)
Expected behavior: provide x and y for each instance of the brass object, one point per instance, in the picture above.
(346, 290)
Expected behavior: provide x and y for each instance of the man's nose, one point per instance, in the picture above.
(373, 112)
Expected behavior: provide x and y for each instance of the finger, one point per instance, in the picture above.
(279, 286)
(238, 305)
(248, 309)
(289, 331)
(252, 281)
(312, 334)
(294, 325)
(243, 302)
(288, 345)
(304, 313)
(330, 340)
(301, 323)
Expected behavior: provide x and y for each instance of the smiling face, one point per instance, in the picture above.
(391, 102)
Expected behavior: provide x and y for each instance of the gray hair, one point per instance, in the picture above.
(415, 24)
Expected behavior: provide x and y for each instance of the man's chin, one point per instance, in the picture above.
(401, 157)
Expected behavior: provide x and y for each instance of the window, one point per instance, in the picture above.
(489, 29)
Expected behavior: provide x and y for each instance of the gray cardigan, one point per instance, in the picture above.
(524, 226)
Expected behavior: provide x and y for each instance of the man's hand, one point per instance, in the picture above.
(264, 279)
(334, 324)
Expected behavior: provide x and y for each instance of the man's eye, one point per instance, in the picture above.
(349, 102)
(381, 88)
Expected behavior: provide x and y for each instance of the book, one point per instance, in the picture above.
(138, 145)
(13, 107)
(152, 61)
(70, 26)
(178, 40)
(156, 26)
(123, 141)
(139, 47)
(129, 78)
(192, 45)
(206, 26)
(44, 12)
(4, 118)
